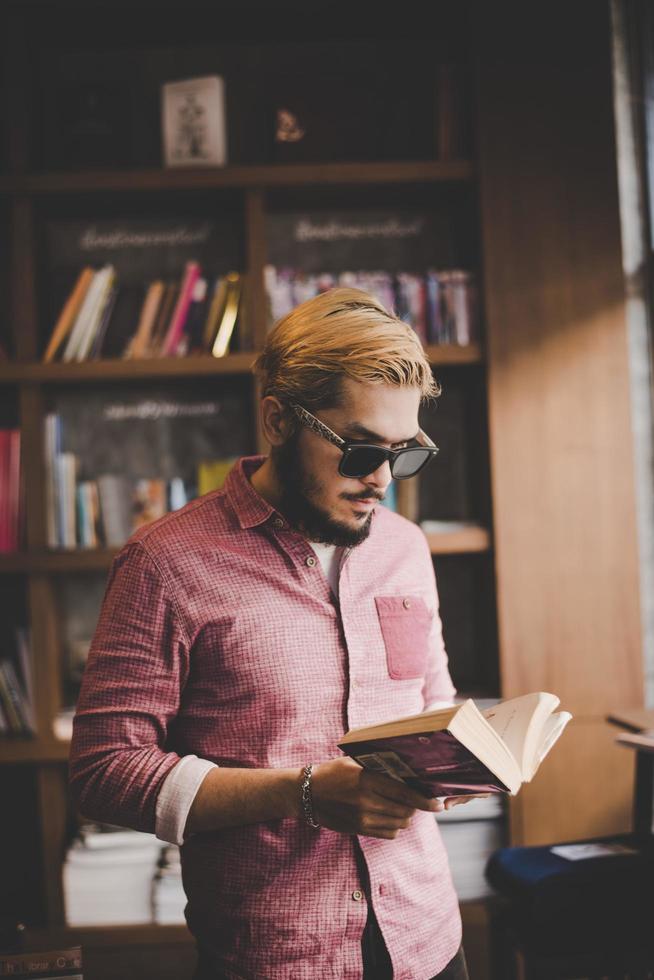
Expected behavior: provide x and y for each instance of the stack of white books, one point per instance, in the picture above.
(107, 876)
(168, 898)
(471, 832)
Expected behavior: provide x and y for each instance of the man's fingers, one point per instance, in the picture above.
(452, 801)
(389, 808)
(391, 789)
(374, 825)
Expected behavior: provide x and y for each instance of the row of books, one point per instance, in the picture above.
(102, 318)
(105, 511)
(10, 495)
(17, 708)
(440, 305)
(115, 876)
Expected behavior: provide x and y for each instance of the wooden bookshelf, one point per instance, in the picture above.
(469, 540)
(15, 749)
(32, 195)
(564, 535)
(465, 541)
(126, 370)
(183, 367)
(239, 178)
(95, 936)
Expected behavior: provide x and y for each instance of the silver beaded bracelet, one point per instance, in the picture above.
(307, 799)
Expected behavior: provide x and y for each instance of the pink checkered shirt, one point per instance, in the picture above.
(219, 638)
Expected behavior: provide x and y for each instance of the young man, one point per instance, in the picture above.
(240, 638)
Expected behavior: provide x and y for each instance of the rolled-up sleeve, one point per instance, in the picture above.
(137, 668)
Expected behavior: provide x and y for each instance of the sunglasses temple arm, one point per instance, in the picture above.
(427, 441)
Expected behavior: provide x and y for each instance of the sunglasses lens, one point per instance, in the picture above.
(408, 463)
(361, 461)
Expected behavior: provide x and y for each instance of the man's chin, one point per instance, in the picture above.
(327, 530)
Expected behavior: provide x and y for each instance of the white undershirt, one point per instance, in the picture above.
(329, 556)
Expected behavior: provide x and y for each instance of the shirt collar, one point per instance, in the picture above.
(250, 507)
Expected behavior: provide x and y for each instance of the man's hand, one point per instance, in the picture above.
(452, 801)
(353, 800)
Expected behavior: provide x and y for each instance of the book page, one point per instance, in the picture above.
(518, 721)
(551, 731)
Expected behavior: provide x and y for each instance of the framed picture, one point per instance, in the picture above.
(193, 122)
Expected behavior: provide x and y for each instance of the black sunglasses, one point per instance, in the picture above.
(360, 459)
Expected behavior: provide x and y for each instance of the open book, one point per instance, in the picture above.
(460, 750)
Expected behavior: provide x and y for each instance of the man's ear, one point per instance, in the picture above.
(276, 421)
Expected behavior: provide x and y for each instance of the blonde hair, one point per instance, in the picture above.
(340, 333)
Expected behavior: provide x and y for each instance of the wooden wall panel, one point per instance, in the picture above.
(582, 790)
(559, 413)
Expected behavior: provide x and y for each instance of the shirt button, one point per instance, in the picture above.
(310, 561)
(357, 895)
(278, 522)
(406, 603)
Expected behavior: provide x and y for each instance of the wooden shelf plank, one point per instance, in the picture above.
(110, 935)
(79, 560)
(33, 750)
(471, 539)
(240, 177)
(120, 369)
(467, 541)
(443, 354)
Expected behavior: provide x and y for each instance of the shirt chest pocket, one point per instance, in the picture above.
(405, 624)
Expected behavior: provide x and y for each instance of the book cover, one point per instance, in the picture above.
(87, 313)
(214, 313)
(138, 346)
(10, 489)
(25, 670)
(104, 320)
(52, 441)
(178, 318)
(433, 763)
(124, 320)
(115, 509)
(460, 750)
(191, 339)
(212, 474)
(105, 301)
(164, 313)
(4, 490)
(149, 502)
(229, 315)
(68, 314)
(9, 703)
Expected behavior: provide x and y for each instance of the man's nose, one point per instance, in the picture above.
(379, 478)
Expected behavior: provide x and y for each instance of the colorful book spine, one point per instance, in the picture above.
(176, 326)
(140, 343)
(68, 314)
(104, 302)
(10, 496)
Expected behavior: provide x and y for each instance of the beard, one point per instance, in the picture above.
(297, 506)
